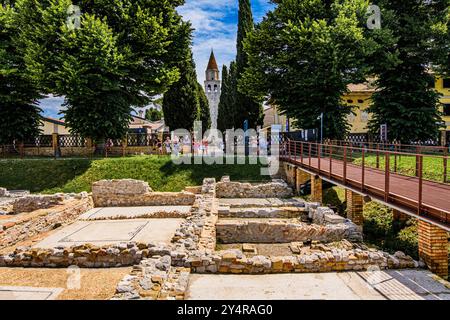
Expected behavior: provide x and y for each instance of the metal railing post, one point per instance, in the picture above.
(345, 166)
(387, 176)
(319, 149)
(310, 154)
(295, 150)
(445, 165)
(363, 170)
(378, 156)
(301, 152)
(331, 159)
(419, 203)
(417, 160)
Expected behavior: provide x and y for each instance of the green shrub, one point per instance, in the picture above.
(381, 230)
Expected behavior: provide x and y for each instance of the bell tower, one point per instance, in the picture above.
(212, 89)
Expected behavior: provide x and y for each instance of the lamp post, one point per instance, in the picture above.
(321, 127)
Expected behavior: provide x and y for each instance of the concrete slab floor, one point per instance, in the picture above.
(28, 293)
(318, 286)
(133, 212)
(77, 284)
(111, 232)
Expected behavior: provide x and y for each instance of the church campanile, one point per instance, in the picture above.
(212, 89)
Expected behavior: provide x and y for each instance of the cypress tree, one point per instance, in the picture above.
(181, 102)
(223, 114)
(246, 107)
(19, 113)
(406, 100)
(233, 108)
(204, 115)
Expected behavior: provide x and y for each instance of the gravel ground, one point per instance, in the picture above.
(95, 284)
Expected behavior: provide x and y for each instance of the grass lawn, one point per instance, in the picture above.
(76, 175)
(433, 167)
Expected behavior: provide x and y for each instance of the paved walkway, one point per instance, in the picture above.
(403, 190)
(379, 285)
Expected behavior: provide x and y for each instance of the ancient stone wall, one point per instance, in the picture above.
(282, 231)
(154, 279)
(274, 189)
(3, 192)
(22, 228)
(234, 261)
(129, 193)
(35, 202)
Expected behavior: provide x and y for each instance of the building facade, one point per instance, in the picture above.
(213, 89)
(359, 98)
(50, 125)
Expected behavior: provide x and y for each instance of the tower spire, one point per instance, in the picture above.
(212, 64)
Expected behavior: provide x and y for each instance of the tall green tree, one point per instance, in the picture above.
(223, 109)
(247, 108)
(153, 114)
(406, 99)
(135, 45)
(181, 102)
(101, 109)
(19, 113)
(203, 115)
(303, 56)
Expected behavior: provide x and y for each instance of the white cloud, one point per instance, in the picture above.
(51, 105)
(215, 23)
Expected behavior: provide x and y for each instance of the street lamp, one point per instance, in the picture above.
(321, 127)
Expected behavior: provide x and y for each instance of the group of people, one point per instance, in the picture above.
(177, 146)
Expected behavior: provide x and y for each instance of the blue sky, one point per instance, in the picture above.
(215, 23)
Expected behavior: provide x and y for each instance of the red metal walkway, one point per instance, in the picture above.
(423, 199)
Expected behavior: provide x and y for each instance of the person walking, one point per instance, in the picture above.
(167, 145)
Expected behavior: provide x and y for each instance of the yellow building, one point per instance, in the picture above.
(51, 125)
(442, 85)
(359, 97)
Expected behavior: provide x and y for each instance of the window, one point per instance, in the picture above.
(351, 117)
(446, 83)
(215, 88)
(209, 88)
(360, 101)
(447, 110)
(364, 116)
(350, 101)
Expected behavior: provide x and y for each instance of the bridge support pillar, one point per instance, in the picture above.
(433, 242)
(355, 206)
(316, 189)
(291, 175)
(301, 179)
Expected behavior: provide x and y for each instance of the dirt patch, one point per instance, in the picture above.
(96, 284)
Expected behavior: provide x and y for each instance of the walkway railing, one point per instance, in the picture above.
(412, 181)
(396, 147)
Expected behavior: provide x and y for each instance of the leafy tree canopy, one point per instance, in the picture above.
(19, 114)
(303, 55)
